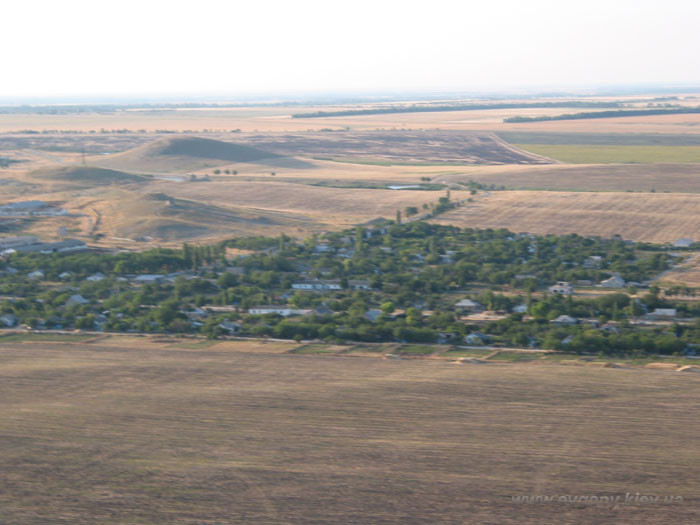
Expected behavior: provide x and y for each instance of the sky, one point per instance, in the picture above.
(245, 47)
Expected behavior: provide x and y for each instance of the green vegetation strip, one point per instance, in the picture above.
(593, 154)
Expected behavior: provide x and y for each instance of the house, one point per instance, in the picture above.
(38, 274)
(7, 243)
(475, 338)
(96, 277)
(594, 261)
(610, 327)
(372, 315)
(323, 310)
(76, 300)
(561, 288)
(520, 309)
(663, 313)
(563, 320)
(148, 279)
(613, 282)
(230, 327)
(317, 285)
(682, 243)
(284, 311)
(322, 247)
(9, 320)
(567, 339)
(359, 284)
(64, 275)
(468, 306)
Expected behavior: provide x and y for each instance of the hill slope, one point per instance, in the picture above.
(84, 176)
(180, 154)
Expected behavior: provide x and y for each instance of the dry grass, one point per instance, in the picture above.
(641, 217)
(675, 178)
(102, 434)
(333, 206)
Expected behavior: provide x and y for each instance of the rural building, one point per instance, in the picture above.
(96, 277)
(64, 275)
(317, 285)
(663, 313)
(9, 320)
(38, 274)
(149, 279)
(594, 261)
(359, 284)
(520, 309)
(467, 306)
(683, 243)
(372, 315)
(284, 311)
(76, 300)
(230, 327)
(30, 209)
(8, 243)
(564, 320)
(69, 245)
(475, 338)
(613, 282)
(561, 288)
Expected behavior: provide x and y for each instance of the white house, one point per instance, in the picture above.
(149, 279)
(683, 243)
(317, 285)
(359, 284)
(564, 320)
(64, 275)
(9, 320)
(561, 288)
(96, 277)
(468, 306)
(663, 313)
(284, 311)
(76, 299)
(230, 327)
(613, 282)
(38, 274)
(520, 309)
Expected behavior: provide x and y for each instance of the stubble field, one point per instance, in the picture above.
(114, 434)
(650, 217)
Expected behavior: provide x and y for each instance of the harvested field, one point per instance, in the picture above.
(675, 178)
(334, 206)
(596, 154)
(419, 147)
(128, 435)
(640, 217)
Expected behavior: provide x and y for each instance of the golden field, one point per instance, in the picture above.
(648, 217)
(187, 433)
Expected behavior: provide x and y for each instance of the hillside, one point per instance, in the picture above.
(84, 176)
(180, 154)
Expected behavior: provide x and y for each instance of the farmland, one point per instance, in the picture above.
(662, 218)
(149, 434)
(590, 154)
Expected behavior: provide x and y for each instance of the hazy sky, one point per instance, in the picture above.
(66, 47)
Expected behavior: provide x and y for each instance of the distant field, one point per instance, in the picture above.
(590, 154)
(675, 178)
(641, 217)
(133, 435)
(600, 139)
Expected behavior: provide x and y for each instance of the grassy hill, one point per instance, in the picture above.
(181, 154)
(84, 176)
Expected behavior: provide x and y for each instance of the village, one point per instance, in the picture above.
(383, 282)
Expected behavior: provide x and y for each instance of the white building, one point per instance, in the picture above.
(683, 243)
(468, 306)
(317, 285)
(613, 282)
(561, 288)
(284, 311)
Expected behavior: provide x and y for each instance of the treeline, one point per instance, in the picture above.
(456, 107)
(604, 114)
